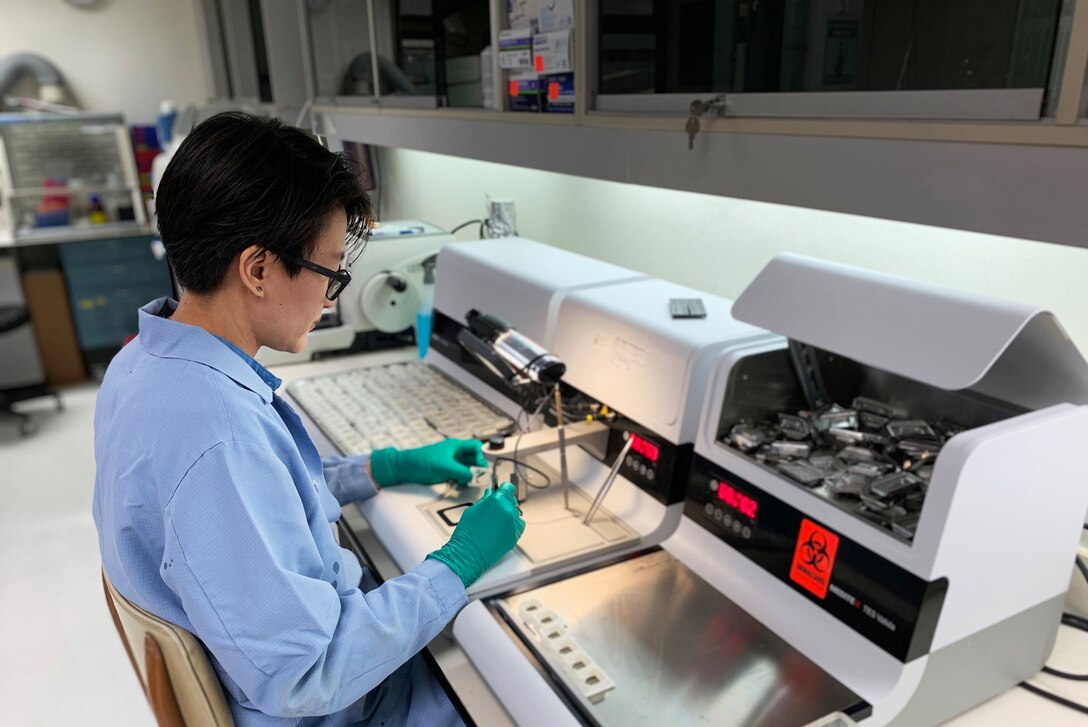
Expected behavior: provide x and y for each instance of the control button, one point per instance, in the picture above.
(642, 469)
(736, 526)
(630, 461)
(713, 485)
(746, 532)
(728, 520)
(709, 508)
(650, 475)
(718, 514)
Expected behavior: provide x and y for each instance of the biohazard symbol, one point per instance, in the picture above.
(814, 551)
(814, 558)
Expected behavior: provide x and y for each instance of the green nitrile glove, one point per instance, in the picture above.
(487, 531)
(446, 460)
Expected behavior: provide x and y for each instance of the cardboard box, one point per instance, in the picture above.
(558, 93)
(526, 92)
(553, 52)
(51, 318)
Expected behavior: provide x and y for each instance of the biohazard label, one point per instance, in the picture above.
(814, 558)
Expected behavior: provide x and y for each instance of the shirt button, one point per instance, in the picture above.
(336, 567)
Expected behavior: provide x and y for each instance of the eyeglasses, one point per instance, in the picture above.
(338, 279)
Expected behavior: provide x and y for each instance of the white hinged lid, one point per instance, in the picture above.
(623, 347)
(940, 336)
(518, 280)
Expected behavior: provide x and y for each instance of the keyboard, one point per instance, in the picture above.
(400, 405)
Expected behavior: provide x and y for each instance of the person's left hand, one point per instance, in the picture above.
(447, 460)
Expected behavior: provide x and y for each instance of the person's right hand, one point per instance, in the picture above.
(487, 531)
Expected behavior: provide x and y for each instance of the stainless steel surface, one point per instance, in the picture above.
(678, 651)
(607, 484)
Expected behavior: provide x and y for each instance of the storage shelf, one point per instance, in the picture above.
(946, 174)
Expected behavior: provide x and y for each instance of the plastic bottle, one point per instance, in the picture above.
(164, 124)
(425, 315)
(96, 213)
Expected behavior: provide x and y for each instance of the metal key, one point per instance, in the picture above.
(692, 128)
(697, 109)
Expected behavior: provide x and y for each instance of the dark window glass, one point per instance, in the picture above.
(260, 51)
(679, 46)
(427, 49)
(340, 46)
(435, 46)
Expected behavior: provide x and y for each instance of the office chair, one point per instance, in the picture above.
(174, 672)
(11, 318)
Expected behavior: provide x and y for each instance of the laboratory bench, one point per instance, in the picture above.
(1014, 707)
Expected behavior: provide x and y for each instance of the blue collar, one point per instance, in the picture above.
(265, 374)
(163, 337)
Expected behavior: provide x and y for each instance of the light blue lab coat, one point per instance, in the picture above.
(213, 510)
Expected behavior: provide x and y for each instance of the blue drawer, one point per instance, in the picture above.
(108, 281)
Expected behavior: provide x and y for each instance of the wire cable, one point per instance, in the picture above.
(519, 464)
(1054, 697)
(463, 225)
(517, 442)
(1077, 622)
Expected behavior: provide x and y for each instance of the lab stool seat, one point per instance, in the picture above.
(174, 672)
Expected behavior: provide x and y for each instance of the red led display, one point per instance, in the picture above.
(738, 500)
(646, 448)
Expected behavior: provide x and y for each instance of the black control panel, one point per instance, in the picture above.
(658, 467)
(888, 605)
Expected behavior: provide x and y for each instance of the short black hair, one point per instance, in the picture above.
(239, 180)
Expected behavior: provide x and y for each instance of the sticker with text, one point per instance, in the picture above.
(814, 558)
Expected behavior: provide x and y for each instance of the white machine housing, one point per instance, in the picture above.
(1001, 519)
(519, 280)
(1003, 511)
(622, 346)
(396, 250)
(569, 302)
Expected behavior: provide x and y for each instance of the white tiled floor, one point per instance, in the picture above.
(61, 662)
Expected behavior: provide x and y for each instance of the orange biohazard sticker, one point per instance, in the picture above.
(514, 88)
(553, 91)
(814, 558)
(538, 64)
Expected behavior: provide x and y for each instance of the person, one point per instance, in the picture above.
(212, 505)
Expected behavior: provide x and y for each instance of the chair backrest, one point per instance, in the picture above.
(170, 663)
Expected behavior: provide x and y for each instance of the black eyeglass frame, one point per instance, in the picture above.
(338, 279)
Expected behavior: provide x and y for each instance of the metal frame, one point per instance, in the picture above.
(240, 53)
(997, 104)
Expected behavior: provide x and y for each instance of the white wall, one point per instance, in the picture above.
(717, 244)
(121, 55)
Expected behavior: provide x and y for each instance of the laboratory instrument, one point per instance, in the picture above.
(387, 293)
(787, 601)
(637, 372)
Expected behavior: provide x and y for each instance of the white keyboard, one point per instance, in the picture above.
(400, 405)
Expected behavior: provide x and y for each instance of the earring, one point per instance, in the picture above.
(260, 289)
